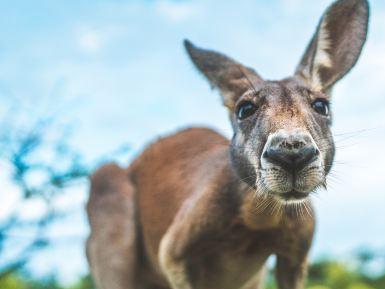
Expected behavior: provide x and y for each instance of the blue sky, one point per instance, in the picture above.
(117, 69)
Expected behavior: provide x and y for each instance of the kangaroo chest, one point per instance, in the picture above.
(233, 259)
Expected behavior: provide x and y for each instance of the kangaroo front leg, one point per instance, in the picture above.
(291, 274)
(192, 222)
(173, 265)
(291, 267)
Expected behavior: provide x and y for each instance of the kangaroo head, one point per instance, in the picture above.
(282, 143)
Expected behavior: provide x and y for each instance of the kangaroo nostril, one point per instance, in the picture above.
(306, 156)
(265, 154)
(292, 160)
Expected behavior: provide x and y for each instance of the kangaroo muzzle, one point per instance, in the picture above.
(291, 164)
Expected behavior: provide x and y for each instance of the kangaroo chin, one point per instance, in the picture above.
(198, 211)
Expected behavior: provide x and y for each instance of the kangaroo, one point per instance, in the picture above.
(198, 211)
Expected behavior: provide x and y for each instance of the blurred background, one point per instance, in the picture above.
(85, 82)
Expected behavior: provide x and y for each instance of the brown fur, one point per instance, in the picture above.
(197, 211)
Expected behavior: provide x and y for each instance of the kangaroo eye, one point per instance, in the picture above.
(321, 106)
(246, 109)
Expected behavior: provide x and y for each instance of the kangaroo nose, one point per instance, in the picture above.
(292, 153)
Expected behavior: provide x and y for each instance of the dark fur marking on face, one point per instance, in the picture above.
(287, 99)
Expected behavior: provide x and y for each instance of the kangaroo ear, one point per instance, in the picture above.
(223, 73)
(336, 45)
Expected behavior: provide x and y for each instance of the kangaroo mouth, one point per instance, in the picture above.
(293, 196)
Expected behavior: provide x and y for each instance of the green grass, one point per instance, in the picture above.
(325, 274)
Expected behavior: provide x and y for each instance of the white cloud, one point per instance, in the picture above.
(90, 40)
(175, 11)
(291, 6)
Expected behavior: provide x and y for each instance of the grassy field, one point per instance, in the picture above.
(326, 274)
